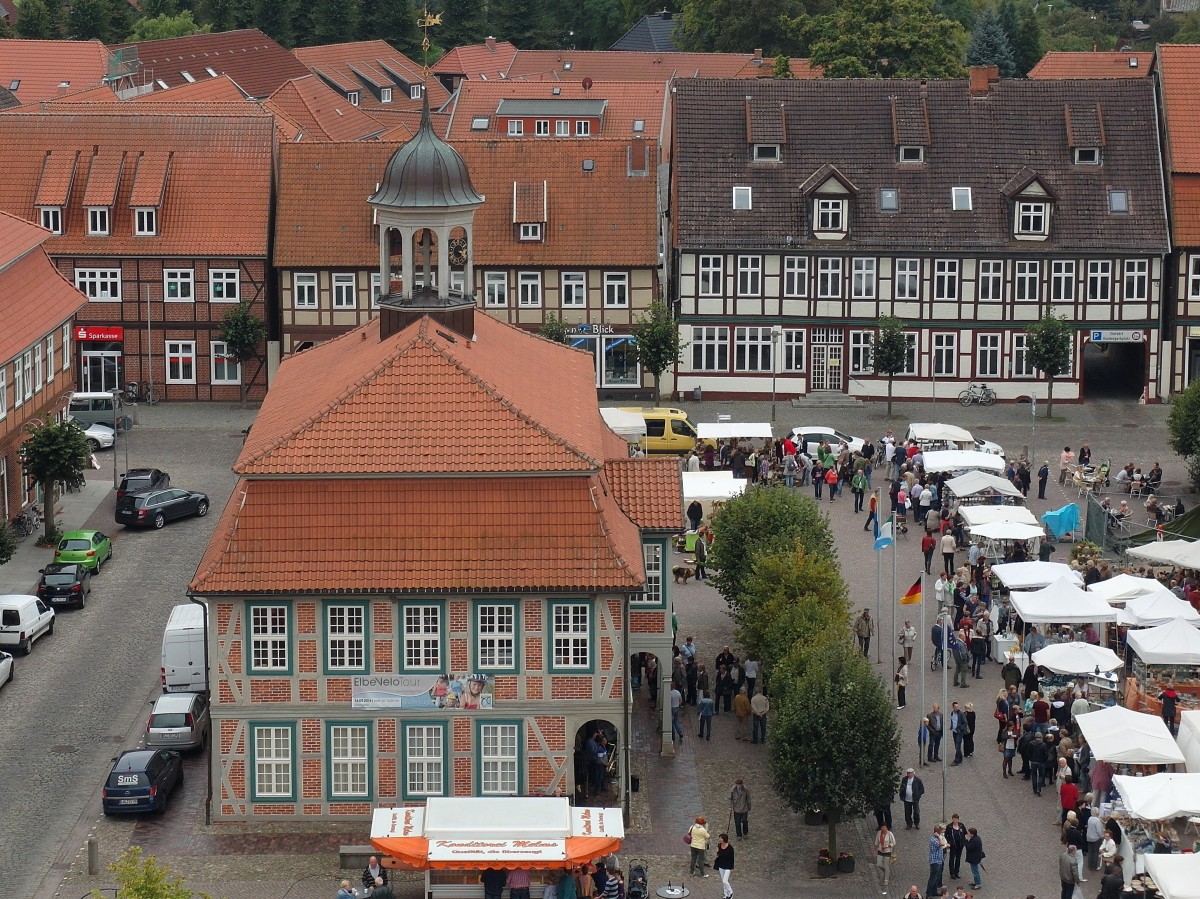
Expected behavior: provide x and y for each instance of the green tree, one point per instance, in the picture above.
(243, 333)
(1188, 30)
(120, 19)
(152, 9)
(961, 11)
(275, 18)
(888, 39)
(890, 351)
(334, 21)
(763, 520)
(463, 22)
(836, 743)
(656, 341)
(55, 453)
(394, 21)
(1028, 48)
(1006, 14)
(161, 27)
(739, 26)
(1050, 349)
(6, 31)
(554, 328)
(34, 21)
(989, 45)
(8, 542)
(1074, 29)
(524, 22)
(143, 877)
(1183, 428)
(219, 15)
(783, 67)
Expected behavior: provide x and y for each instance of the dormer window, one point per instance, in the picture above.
(741, 198)
(352, 96)
(960, 199)
(1033, 218)
(385, 95)
(52, 219)
(98, 221)
(766, 153)
(562, 128)
(910, 154)
(414, 92)
(531, 231)
(1118, 202)
(1087, 155)
(541, 127)
(583, 128)
(831, 215)
(145, 221)
(515, 127)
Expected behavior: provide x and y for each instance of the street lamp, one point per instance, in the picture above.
(776, 333)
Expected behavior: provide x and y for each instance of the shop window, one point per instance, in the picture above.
(620, 362)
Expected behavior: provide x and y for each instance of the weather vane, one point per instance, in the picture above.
(427, 21)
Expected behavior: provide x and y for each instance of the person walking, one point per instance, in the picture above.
(872, 511)
(676, 703)
(705, 714)
(864, 627)
(937, 861)
(858, 487)
(975, 856)
(885, 850)
(739, 805)
(695, 514)
(1066, 872)
(741, 709)
(901, 680)
(911, 791)
(1095, 836)
(956, 837)
(699, 844)
(723, 863)
(935, 733)
(928, 545)
(759, 706)
(701, 556)
(922, 741)
(949, 545)
(969, 736)
(907, 639)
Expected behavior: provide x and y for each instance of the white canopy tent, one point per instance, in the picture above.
(1160, 796)
(962, 460)
(1189, 740)
(973, 516)
(1153, 609)
(1007, 530)
(1184, 553)
(629, 426)
(1120, 735)
(731, 430)
(1062, 602)
(1077, 658)
(1176, 876)
(1124, 587)
(936, 434)
(1031, 575)
(974, 482)
(1175, 642)
(710, 487)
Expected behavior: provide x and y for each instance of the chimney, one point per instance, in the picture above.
(490, 42)
(666, 15)
(758, 52)
(982, 79)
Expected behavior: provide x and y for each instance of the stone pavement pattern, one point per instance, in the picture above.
(777, 859)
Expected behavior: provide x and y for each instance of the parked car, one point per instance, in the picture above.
(99, 436)
(24, 619)
(809, 437)
(65, 584)
(141, 780)
(89, 548)
(178, 721)
(154, 508)
(143, 479)
(6, 668)
(987, 446)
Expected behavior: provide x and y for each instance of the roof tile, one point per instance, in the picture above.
(1102, 64)
(1179, 69)
(648, 490)
(319, 113)
(357, 65)
(34, 296)
(43, 67)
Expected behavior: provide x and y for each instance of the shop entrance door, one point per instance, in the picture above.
(826, 359)
(101, 371)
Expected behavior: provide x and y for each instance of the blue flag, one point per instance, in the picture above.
(883, 535)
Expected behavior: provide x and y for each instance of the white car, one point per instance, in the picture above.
(986, 446)
(808, 437)
(6, 668)
(99, 436)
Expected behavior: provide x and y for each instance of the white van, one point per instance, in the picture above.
(183, 651)
(24, 619)
(94, 408)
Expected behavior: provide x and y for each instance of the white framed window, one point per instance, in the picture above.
(710, 348)
(960, 199)
(831, 215)
(1118, 202)
(1087, 155)
(1099, 280)
(270, 638)
(376, 287)
(179, 285)
(574, 290)
(385, 95)
(224, 285)
(98, 221)
(346, 637)
(414, 92)
(795, 276)
(541, 128)
(181, 362)
(496, 635)
(1194, 277)
(749, 276)
(583, 128)
(829, 278)
(348, 765)
(987, 356)
(910, 154)
(945, 355)
(304, 290)
(562, 128)
(711, 275)
(51, 368)
(27, 366)
(18, 383)
(572, 635)
(910, 353)
(1022, 360)
(652, 592)
(4, 397)
(1027, 280)
(1032, 218)
(516, 127)
(99, 285)
(37, 366)
(225, 368)
(274, 766)
(862, 279)
(1137, 280)
(945, 279)
(529, 290)
(495, 289)
(145, 221)
(51, 217)
(1062, 281)
(793, 349)
(498, 759)
(530, 231)
(990, 287)
(752, 349)
(66, 345)
(862, 352)
(424, 760)
(908, 279)
(742, 197)
(345, 291)
(765, 153)
(616, 290)
(423, 637)
(352, 96)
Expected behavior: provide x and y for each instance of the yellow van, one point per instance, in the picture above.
(667, 430)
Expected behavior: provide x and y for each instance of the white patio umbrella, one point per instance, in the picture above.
(1077, 658)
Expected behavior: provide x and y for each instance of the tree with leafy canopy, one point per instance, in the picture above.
(34, 22)
(836, 743)
(463, 22)
(120, 18)
(961, 11)
(1049, 348)
(8, 542)
(1183, 429)
(656, 341)
(887, 39)
(1073, 29)
(243, 333)
(394, 21)
(763, 520)
(989, 45)
(1006, 14)
(739, 26)
(334, 21)
(55, 453)
(151, 9)
(890, 352)
(220, 15)
(141, 876)
(161, 27)
(554, 328)
(783, 67)
(1028, 47)
(275, 18)
(89, 20)
(1187, 30)
(524, 22)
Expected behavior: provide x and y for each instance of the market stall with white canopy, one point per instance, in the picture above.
(1076, 658)
(1176, 876)
(1062, 602)
(1119, 735)
(711, 488)
(962, 460)
(1007, 530)
(1175, 642)
(1184, 553)
(1164, 656)
(973, 516)
(937, 436)
(1154, 609)
(1160, 796)
(1189, 739)
(973, 483)
(1124, 587)
(1031, 575)
(629, 426)
(732, 430)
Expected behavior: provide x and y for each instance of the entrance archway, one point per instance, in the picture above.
(1114, 371)
(597, 776)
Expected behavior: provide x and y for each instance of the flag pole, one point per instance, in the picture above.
(921, 638)
(945, 619)
(895, 600)
(878, 581)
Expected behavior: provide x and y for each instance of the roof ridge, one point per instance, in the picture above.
(203, 571)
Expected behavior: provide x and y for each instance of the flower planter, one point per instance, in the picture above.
(826, 870)
(845, 866)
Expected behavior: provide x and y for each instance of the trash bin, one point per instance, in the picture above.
(697, 392)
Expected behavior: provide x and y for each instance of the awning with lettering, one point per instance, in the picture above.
(482, 832)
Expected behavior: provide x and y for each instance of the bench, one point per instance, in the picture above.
(355, 858)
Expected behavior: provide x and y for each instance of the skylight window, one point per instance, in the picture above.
(639, 125)
(889, 199)
(187, 76)
(210, 71)
(479, 123)
(1118, 202)
(960, 199)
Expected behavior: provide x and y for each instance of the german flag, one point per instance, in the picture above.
(913, 596)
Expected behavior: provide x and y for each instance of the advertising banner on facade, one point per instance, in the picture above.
(422, 691)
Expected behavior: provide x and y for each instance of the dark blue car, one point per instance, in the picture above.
(141, 780)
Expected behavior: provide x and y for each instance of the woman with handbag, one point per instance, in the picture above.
(697, 838)
(885, 853)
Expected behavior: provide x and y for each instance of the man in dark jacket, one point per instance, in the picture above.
(958, 728)
(911, 791)
(494, 880)
(1112, 884)
(935, 734)
(975, 856)
(1039, 760)
(372, 872)
(956, 836)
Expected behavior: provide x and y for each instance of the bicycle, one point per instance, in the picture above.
(27, 522)
(149, 397)
(981, 394)
(132, 392)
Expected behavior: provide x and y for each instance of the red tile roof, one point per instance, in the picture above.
(217, 200)
(488, 60)
(1104, 64)
(649, 491)
(626, 101)
(366, 414)
(1179, 72)
(34, 297)
(1185, 202)
(256, 63)
(205, 90)
(361, 65)
(320, 113)
(452, 534)
(42, 66)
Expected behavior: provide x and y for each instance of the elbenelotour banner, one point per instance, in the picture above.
(422, 691)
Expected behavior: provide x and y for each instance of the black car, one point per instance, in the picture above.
(65, 584)
(154, 508)
(143, 479)
(141, 780)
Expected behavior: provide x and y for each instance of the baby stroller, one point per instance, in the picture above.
(639, 880)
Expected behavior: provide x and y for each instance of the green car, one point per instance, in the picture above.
(91, 549)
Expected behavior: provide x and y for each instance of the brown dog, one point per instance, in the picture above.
(682, 573)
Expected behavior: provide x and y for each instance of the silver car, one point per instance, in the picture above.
(178, 721)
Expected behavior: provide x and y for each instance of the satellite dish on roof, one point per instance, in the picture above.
(587, 84)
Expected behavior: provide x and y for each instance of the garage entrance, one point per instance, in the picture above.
(1114, 370)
